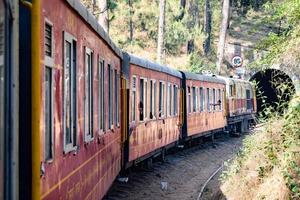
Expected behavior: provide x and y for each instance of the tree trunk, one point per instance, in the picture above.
(130, 20)
(103, 16)
(161, 31)
(207, 27)
(223, 31)
(193, 22)
(182, 10)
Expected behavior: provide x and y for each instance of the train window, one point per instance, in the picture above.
(189, 100)
(143, 99)
(48, 39)
(152, 99)
(202, 100)
(194, 90)
(161, 99)
(88, 96)
(175, 105)
(110, 97)
(249, 100)
(141, 103)
(48, 114)
(169, 104)
(133, 102)
(208, 99)
(69, 103)
(101, 106)
(220, 99)
(214, 98)
(231, 90)
(116, 97)
(48, 44)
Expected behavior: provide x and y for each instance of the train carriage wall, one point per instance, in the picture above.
(87, 170)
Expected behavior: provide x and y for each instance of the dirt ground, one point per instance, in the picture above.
(181, 176)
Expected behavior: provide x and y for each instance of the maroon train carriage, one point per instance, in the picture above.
(154, 109)
(241, 104)
(204, 105)
(80, 129)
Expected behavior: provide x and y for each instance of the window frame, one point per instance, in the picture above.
(49, 60)
(202, 99)
(153, 95)
(208, 99)
(133, 103)
(50, 159)
(161, 100)
(49, 63)
(74, 144)
(169, 100)
(101, 100)
(89, 137)
(110, 97)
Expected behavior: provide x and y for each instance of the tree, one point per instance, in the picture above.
(103, 14)
(223, 31)
(207, 27)
(182, 10)
(130, 20)
(161, 31)
(193, 23)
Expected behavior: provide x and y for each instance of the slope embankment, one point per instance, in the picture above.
(268, 166)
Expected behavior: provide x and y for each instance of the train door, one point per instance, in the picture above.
(2, 94)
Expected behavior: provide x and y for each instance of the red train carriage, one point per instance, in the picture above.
(154, 108)
(241, 104)
(204, 105)
(80, 117)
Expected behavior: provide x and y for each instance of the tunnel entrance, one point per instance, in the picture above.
(274, 89)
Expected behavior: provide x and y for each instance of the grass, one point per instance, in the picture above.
(268, 166)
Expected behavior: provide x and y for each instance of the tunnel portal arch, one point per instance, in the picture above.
(274, 88)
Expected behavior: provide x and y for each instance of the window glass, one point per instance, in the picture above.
(116, 97)
(214, 98)
(169, 99)
(202, 100)
(175, 100)
(145, 99)
(110, 96)
(69, 87)
(194, 99)
(88, 98)
(208, 99)
(48, 113)
(189, 100)
(101, 96)
(142, 97)
(133, 100)
(161, 98)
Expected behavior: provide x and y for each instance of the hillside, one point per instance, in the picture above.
(268, 165)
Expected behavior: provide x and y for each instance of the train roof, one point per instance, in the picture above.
(91, 20)
(153, 66)
(229, 80)
(202, 77)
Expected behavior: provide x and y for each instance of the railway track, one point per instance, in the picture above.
(182, 175)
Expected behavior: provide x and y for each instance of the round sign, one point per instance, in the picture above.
(237, 61)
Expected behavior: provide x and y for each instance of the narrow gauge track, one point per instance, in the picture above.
(185, 172)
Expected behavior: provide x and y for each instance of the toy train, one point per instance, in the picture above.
(75, 109)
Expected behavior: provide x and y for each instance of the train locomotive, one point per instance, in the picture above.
(76, 109)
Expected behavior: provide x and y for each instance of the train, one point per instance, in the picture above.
(76, 110)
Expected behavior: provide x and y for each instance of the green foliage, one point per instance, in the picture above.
(198, 63)
(285, 16)
(273, 148)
